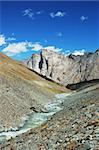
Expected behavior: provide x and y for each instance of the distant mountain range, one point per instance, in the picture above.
(65, 69)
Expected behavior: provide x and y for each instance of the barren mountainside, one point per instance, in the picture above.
(65, 69)
(74, 116)
(21, 90)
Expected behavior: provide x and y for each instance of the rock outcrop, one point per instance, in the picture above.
(66, 69)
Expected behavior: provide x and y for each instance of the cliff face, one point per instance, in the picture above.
(66, 69)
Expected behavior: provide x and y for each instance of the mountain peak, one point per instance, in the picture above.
(66, 70)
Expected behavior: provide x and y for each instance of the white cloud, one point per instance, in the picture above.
(11, 39)
(45, 41)
(57, 14)
(30, 44)
(12, 34)
(52, 48)
(83, 18)
(2, 40)
(37, 46)
(16, 48)
(79, 52)
(52, 15)
(28, 12)
(59, 34)
(39, 12)
(67, 52)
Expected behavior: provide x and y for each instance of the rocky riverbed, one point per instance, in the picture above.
(75, 127)
(34, 119)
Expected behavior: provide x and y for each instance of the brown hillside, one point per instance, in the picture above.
(21, 89)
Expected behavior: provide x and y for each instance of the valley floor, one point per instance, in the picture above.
(75, 127)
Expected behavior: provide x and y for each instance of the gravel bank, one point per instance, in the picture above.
(76, 127)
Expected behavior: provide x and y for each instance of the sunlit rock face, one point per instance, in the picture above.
(33, 62)
(66, 69)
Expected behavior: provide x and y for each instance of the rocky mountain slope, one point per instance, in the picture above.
(65, 69)
(75, 127)
(21, 92)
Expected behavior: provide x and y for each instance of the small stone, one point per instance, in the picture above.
(67, 139)
(96, 130)
(90, 137)
(88, 115)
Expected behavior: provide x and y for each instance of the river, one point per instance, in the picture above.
(35, 119)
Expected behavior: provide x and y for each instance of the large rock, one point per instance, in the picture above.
(66, 69)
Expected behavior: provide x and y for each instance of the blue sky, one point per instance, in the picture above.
(65, 26)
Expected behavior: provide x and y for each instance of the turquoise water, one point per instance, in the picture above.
(35, 119)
